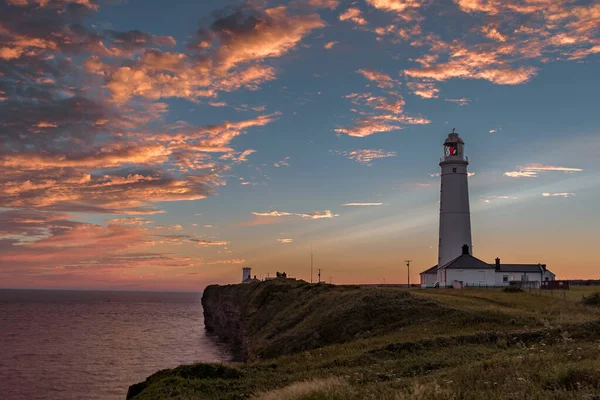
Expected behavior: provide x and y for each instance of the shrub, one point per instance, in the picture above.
(592, 300)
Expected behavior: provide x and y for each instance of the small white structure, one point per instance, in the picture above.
(456, 265)
(247, 275)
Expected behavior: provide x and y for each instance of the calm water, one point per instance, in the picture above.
(93, 345)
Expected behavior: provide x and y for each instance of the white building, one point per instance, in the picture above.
(456, 264)
(247, 275)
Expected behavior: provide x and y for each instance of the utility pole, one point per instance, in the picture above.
(408, 265)
(319, 275)
(311, 263)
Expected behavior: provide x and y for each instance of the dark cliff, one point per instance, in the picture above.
(225, 314)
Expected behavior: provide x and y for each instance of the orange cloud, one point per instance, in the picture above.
(330, 45)
(354, 15)
(368, 126)
(425, 90)
(383, 81)
(271, 33)
(397, 6)
(332, 4)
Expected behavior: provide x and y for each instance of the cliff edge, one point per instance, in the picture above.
(279, 317)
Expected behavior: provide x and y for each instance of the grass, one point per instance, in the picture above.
(421, 344)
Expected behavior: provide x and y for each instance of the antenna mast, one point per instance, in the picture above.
(408, 265)
(319, 275)
(311, 263)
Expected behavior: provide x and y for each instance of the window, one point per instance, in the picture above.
(512, 277)
(504, 278)
(453, 169)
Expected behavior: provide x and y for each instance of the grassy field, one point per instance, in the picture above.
(442, 344)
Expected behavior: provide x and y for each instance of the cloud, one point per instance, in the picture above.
(247, 37)
(489, 199)
(282, 163)
(521, 174)
(372, 121)
(238, 157)
(353, 14)
(532, 170)
(332, 4)
(366, 156)
(461, 102)
(383, 81)
(230, 261)
(130, 221)
(330, 45)
(563, 194)
(426, 90)
(205, 243)
(540, 167)
(361, 204)
(396, 6)
(169, 227)
(368, 126)
(327, 214)
(285, 241)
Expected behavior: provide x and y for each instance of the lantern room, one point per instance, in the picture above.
(453, 147)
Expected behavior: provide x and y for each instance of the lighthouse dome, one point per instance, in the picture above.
(453, 138)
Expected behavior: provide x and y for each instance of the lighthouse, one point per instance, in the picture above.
(455, 217)
(456, 266)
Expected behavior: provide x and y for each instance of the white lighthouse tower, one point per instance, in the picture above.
(455, 217)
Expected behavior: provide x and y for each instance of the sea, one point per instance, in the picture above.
(62, 345)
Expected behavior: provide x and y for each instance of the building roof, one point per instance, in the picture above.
(467, 261)
(250, 280)
(432, 270)
(519, 268)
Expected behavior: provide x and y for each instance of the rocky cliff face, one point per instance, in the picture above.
(225, 315)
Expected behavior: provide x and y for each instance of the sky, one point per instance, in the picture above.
(154, 145)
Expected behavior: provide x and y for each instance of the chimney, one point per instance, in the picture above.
(497, 263)
(465, 249)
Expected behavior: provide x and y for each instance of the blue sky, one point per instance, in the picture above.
(166, 145)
